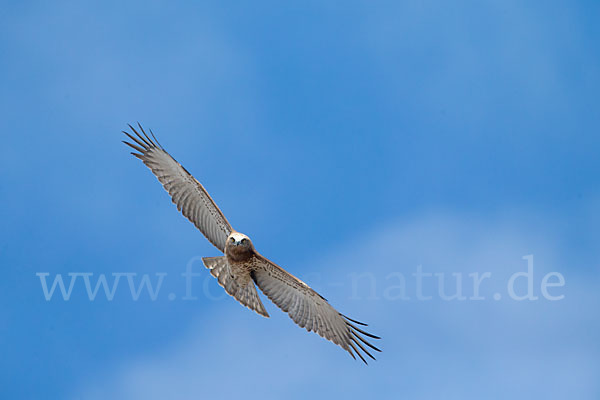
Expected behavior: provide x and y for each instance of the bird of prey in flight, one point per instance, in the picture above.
(242, 266)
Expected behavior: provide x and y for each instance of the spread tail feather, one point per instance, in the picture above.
(244, 292)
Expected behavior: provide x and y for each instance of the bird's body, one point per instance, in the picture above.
(242, 267)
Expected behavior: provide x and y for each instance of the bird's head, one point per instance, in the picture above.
(239, 246)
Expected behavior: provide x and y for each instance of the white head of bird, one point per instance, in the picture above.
(239, 247)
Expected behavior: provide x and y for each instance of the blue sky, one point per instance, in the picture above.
(343, 139)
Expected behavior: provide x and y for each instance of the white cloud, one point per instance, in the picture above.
(432, 349)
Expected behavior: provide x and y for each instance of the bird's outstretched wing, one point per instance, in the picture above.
(310, 310)
(186, 192)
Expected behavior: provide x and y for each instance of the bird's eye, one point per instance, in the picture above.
(231, 240)
(244, 240)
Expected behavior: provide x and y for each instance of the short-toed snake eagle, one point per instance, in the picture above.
(242, 266)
